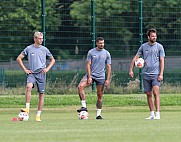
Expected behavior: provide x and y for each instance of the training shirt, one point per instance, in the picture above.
(99, 59)
(36, 57)
(151, 54)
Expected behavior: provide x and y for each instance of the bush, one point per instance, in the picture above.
(65, 82)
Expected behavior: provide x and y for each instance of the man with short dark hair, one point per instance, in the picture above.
(153, 54)
(98, 60)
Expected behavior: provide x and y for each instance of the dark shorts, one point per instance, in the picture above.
(97, 81)
(39, 79)
(149, 82)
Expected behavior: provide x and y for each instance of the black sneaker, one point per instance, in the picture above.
(82, 109)
(99, 117)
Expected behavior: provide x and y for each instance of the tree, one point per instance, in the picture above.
(19, 21)
(118, 22)
(110, 21)
(165, 16)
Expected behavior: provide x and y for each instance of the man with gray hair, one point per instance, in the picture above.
(36, 70)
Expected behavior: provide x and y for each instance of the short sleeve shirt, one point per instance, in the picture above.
(151, 54)
(36, 57)
(99, 59)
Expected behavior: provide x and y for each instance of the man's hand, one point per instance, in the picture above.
(160, 77)
(107, 84)
(131, 74)
(28, 71)
(89, 80)
(45, 70)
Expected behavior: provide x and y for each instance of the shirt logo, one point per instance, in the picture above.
(102, 56)
(40, 53)
(154, 50)
(32, 54)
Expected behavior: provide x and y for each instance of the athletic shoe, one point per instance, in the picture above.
(25, 110)
(99, 117)
(82, 109)
(38, 118)
(150, 117)
(157, 117)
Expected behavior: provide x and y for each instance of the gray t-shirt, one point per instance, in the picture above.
(36, 57)
(151, 54)
(99, 59)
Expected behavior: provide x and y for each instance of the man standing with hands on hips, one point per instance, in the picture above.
(36, 71)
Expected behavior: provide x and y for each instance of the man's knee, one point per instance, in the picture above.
(29, 86)
(80, 87)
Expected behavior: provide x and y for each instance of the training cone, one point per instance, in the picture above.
(14, 119)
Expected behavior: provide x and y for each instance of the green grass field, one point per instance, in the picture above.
(120, 124)
(124, 123)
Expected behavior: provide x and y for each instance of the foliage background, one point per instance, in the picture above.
(69, 36)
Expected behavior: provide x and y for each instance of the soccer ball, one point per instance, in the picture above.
(83, 115)
(23, 116)
(139, 63)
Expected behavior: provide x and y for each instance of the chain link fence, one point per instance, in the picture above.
(68, 35)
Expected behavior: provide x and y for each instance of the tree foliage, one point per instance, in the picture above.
(166, 17)
(107, 12)
(68, 24)
(20, 19)
(120, 19)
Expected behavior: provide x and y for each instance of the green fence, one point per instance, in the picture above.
(69, 32)
(2, 76)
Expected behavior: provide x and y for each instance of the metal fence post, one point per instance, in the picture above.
(1, 76)
(93, 32)
(141, 38)
(43, 21)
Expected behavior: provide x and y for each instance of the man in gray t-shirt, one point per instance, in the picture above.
(98, 62)
(153, 54)
(36, 71)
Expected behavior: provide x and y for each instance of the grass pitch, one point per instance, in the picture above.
(120, 124)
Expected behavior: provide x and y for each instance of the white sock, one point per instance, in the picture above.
(99, 112)
(152, 113)
(83, 102)
(38, 113)
(157, 113)
(27, 105)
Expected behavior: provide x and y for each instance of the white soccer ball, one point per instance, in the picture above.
(139, 63)
(83, 115)
(23, 116)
